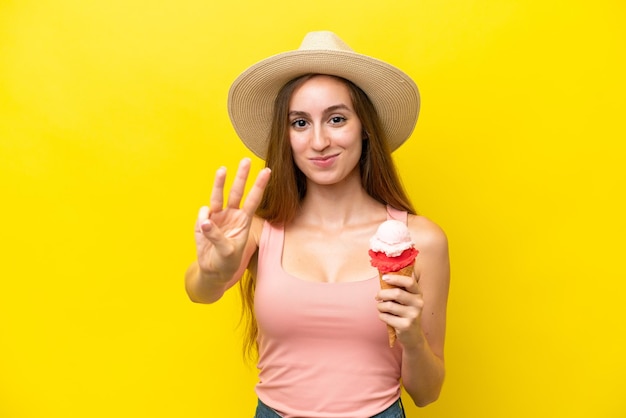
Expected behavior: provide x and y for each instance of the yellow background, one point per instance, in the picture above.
(113, 121)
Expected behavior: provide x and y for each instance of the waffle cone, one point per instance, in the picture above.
(406, 271)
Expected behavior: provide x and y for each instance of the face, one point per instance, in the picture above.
(324, 131)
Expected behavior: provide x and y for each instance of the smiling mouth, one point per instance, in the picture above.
(324, 158)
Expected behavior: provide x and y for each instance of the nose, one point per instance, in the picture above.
(320, 140)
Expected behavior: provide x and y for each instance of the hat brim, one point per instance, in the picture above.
(251, 97)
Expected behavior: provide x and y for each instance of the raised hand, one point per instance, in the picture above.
(222, 232)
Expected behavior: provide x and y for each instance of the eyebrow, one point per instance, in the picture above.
(330, 109)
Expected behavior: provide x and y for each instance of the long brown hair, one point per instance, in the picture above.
(287, 184)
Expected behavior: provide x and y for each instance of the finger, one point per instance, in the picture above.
(399, 323)
(396, 308)
(407, 282)
(217, 194)
(236, 191)
(203, 215)
(399, 296)
(256, 192)
(214, 234)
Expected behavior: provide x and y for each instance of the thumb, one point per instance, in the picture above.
(213, 233)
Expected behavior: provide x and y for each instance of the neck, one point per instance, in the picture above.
(338, 205)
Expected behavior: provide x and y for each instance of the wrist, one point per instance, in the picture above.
(212, 278)
(415, 341)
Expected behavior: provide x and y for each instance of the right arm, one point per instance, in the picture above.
(226, 237)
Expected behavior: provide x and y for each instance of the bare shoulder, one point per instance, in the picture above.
(256, 228)
(426, 234)
(254, 239)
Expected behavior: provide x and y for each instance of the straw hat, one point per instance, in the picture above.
(251, 98)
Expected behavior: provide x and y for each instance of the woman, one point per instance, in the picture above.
(325, 119)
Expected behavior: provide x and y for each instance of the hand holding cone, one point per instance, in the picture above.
(392, 251)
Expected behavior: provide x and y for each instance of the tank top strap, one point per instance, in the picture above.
(398, 215)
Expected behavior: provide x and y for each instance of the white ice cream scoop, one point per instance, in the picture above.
(392, 238)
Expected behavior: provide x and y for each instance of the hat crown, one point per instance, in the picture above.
(323, 40)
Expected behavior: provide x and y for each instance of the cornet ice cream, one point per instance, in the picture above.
(392, 251)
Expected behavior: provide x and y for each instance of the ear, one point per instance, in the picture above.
(365, 136)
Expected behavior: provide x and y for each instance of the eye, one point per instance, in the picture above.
(337, 119)
(298, 123)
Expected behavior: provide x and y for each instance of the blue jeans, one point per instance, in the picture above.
(396, 410)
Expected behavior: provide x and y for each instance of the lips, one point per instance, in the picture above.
(324, 161)
(323, 158)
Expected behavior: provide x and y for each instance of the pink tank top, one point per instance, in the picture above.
(323, 351)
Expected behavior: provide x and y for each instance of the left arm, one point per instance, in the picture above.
(417, 310)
